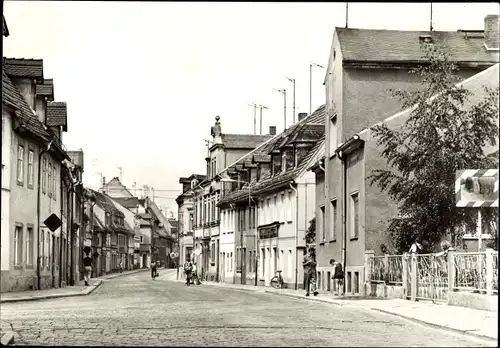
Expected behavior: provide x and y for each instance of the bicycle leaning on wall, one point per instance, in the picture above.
(277, 281)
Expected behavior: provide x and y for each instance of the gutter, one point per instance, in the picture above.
(39, 197)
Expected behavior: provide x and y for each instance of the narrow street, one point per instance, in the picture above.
(134, 310)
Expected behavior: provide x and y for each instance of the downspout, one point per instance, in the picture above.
(344, 220)
(39, 197)
(257, 254)
(234, 234)
(296, 234)
(61, 235)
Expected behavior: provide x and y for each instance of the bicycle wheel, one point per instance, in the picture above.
(275, 283)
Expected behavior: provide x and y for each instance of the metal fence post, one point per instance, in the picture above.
(413, 277)
(369, 254)
(405, 275)
(386, 269)
(489, 271)
(450, 259)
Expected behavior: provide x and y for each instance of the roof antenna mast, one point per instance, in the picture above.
(346, 14)
(431, 18)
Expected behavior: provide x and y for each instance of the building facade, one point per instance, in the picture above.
(268, 203)
(224, 150)
(367, 75)
(32, 163)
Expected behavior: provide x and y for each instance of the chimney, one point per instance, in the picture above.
(491, 37)
(272, 130)
(103, 181)
(302, 115)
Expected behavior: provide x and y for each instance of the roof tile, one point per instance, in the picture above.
(20, 67)
(243, 141)
(57, 114)
(373, 45)
(11, 96)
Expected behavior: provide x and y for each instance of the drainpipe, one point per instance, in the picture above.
(61, 235)
(39, 197)
(234, 234)
(70, 237)
(296, 234)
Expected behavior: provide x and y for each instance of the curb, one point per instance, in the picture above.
(116, 275)
(7, 338)
(436, 326)
(84, 292)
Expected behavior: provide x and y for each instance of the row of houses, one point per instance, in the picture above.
(248, 215)
(49, 220)
(42, 194)
(127, 230)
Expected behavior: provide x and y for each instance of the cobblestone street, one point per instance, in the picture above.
(134, 310)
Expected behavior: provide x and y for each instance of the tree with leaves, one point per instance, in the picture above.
(443, 134)
(311, 232)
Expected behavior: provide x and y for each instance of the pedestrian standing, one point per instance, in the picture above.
(153, 270)
(87, 265)
(121, 266)
(188, 268)
(338, 276)
(309, 264)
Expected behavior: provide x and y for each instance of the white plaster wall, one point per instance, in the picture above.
(6, 169)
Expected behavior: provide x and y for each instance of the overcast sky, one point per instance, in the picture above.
(144, 80)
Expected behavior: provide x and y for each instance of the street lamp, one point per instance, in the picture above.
(293, 81)
(283, 91)
(310, 83)
(241, 230)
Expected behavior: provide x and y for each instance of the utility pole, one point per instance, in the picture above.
(261, 107)
(254, 117)
(293, 81)
(431, 18)
(346, 14)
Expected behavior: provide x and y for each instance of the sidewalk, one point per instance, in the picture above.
(472, 322)
(78, 290)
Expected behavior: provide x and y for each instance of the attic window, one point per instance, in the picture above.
(426, 39)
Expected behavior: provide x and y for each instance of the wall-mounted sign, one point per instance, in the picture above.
(476, 188)
(53, 222)
(268, 232)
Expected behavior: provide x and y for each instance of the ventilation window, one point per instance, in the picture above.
(426, 39)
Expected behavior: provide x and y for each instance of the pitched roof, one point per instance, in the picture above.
(57, 115)
(12, 97)
(5, 28)
(46, 89)
(243, 141)
(105, 203)
(127, 202)
(375, 45)
(21, 67)
(268, 182)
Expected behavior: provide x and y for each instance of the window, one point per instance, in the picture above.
(334, 220)
(48, 253)
(42, 253)
(57, 250)
(31, 175)
(355, 215)
(54, 182)
(282, 210)
(44, 175)
(142, 239)
(212, 253)
(323, 223)
(29, 246)
(18, 245)
(20, 164)
(238, 260)
(289, 210)
(243, 219)
(231, 262)
(50, 180)
(333, 136)
(275, 209)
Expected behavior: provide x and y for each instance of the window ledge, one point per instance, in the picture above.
(20, 183)
(30, 186)
(29, 266)
(289, 222)
(322, 243)
(353, 238)
(333, 241)
(18, 267)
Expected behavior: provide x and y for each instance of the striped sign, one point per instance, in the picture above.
(477, 188)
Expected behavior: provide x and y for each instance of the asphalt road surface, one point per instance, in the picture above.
(134, 310)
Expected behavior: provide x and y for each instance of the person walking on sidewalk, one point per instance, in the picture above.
(121, 266)
(309, 265)
(338, 276)
(188, 269)
(87, 266)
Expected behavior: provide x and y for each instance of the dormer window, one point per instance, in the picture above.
(426, 39)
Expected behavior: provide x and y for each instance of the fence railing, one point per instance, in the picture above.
(433, 276)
